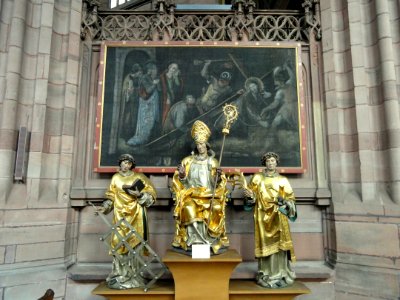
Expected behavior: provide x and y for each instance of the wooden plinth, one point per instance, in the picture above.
(159, 291)
(202, 278)
(249, 290)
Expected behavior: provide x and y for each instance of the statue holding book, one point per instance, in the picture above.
(275, 205)
(200, 194)
(128, 196)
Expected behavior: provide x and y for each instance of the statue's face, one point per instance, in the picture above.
(125, 165)
(202, 148)
(271, 164)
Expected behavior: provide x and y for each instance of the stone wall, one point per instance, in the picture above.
(311, 189)
(47, 84)
(39, 78)
(362, 88)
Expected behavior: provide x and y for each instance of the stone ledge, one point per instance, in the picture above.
(316, 270)
(79, 196)
(82, 203)
(248, 289)
(310, 270)
(238, 290)
(98, 193)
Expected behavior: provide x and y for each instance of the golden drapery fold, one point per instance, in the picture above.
(127, 206)
(272, 232)
(194, 202)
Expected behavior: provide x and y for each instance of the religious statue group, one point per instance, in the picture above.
(200, 193)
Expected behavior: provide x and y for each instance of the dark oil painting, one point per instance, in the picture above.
(153, 93)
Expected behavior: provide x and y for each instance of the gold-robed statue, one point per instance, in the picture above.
(128, 196)
(200, 194)
(274, 203)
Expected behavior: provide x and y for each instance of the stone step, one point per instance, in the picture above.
(238, 290)
(249, 290)
(161, 290)
(305, 271)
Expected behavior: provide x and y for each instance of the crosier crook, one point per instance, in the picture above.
(231, 115)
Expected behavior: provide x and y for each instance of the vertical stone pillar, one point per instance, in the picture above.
(361, 95)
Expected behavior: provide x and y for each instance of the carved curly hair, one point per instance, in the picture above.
(269, 155)
(127, 157)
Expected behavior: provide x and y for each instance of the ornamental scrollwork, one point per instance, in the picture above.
(243, 22)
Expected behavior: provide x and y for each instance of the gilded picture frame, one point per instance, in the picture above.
(150, 93)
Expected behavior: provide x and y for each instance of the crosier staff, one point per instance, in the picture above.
(231, 115)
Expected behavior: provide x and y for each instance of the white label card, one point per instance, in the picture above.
(201, 251)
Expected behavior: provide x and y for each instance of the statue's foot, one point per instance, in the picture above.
(191, 240)
(264, 281)
(119, 283)
(115, 284)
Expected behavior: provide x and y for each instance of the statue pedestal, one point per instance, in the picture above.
(202, 278)
(160, 291)
(249, 290)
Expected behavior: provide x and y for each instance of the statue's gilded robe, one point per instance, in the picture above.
(127, 206)
(272, 232)
(194, 202)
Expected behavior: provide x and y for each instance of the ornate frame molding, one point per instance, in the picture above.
(242, 23)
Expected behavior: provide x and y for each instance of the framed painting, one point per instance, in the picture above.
(150, 94)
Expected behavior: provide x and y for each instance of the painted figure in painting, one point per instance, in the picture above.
(149, 106)
(128, 196)
(180, 114)
(219, 87)
(283, 108)
(172, 88)
(250, 105)
(275, 205)
(200, 195)
(130, 102)
(178, 121)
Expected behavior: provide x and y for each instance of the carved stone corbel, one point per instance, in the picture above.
(90, 20)
(311, 9)
(250, 6)
(242, 23)
(162, 28)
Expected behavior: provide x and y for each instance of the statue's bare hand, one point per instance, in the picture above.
(281, 201)
(100, 210)
(181, 171)
(219, 171)
(218, 174)
(247, 193)
(134, 193)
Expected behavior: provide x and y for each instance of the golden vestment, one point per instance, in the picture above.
(272, 232)
(128, 207)
(193, 204)
(273, 243)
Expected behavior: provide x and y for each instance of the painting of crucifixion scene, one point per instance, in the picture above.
(153, 94)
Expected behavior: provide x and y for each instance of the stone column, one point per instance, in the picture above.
(39, 79)
(362, 79)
